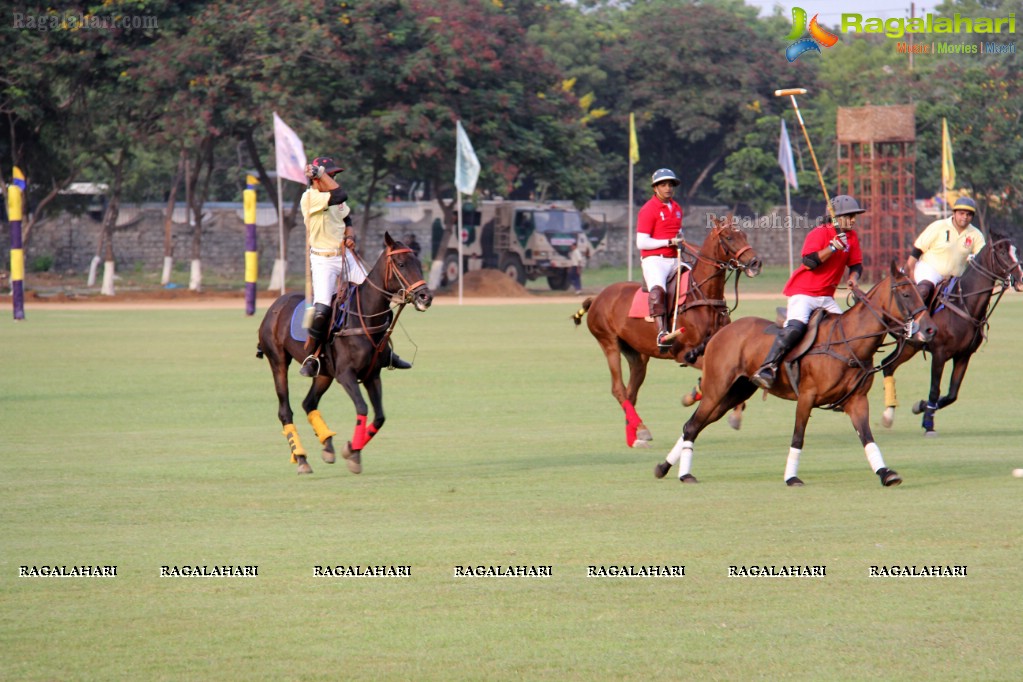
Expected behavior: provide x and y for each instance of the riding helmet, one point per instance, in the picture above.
(328, 164)
(662, 174)
(844, 204)
(965, 204)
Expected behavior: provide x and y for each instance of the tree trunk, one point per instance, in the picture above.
(703, 176)
(110, 222)
(168, 221)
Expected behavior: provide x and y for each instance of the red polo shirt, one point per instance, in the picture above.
(823, 279)
(660, 221)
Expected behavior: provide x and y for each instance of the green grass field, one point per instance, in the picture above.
(144, 439)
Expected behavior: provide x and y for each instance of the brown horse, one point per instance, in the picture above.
(355, 354)
(835, 373)
(724, 251)
(961, 316)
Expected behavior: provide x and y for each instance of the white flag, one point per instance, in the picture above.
(290, 152)
(467, 166)
(788, 166)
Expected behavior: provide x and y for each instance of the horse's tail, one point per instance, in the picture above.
(577, 316)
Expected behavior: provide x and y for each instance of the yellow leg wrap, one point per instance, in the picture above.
(291, 433)
(323, 432)
(889, 392)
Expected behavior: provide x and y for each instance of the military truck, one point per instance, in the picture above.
(524, 240)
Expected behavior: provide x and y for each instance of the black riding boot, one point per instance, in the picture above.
(787, 338)
(397, 363)
(926, 289)
(317, 334)
(659, 311)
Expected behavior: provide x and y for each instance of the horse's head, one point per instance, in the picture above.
(403, 275)
(904, 305)
(731, 247)
(1001, 260)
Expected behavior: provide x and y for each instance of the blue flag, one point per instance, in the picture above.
(788, 166)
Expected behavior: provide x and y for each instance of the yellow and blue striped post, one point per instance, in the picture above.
(251, 256)
(15, 202)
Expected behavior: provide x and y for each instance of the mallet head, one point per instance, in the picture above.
(790, 91)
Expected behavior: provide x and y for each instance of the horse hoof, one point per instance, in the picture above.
(687, 478)
(689, 399)
(640, 443)
(794, 482)
(328, 452)
(303, 465)
(888, 417)
(353, 459)
(919, 406)
(735, 421)
(889, 477)
(643, 433)
(930, 434)
(661, 469)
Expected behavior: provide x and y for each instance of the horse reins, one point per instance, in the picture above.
(406, 291)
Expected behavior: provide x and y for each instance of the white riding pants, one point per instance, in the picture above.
(327, 270)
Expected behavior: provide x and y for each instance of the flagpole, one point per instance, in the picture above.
(459, 237)
(788, 212)
(628, 228)
(280, 232)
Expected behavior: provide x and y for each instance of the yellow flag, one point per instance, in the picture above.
(633, 144)
(948, 166)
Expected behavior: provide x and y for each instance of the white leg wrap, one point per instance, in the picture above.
(685, 460)
(792, 463)
(676, 451)
(874, 456)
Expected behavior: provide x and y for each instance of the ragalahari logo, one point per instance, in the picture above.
(818, 36)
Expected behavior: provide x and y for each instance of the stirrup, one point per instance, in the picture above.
(665, 339)
(310, 366)
(765, 376)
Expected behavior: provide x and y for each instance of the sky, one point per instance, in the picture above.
(831, 11)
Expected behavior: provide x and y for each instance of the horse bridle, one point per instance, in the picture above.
(908, 325)
(1005, 280)
(733, 262)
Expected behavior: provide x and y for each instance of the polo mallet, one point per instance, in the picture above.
(678, 292)
(791, 94)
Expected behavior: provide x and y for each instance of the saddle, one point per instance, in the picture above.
(791, 360)
(301, 334)
(640, 307)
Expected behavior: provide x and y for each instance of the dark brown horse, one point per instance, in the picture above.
(725, 250)
(355, 353)
(835, 373)
(961, 317)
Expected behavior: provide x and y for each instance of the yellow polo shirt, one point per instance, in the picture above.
(325, 224)
(945, 249)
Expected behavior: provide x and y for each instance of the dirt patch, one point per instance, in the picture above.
(487, 284)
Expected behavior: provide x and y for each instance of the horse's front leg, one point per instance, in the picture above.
(929, 407)
(310, 404)
(375, 390)
(959, 365)
(858, 409)
(891, 363)
(804, 406)
(352, 451)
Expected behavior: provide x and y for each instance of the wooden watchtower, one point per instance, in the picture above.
(877, 167)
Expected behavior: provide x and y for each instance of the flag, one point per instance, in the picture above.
(290, 152)
(788, 166)
(633, 144)
(948, 166)
(467, 166)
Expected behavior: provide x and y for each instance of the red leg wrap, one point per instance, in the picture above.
(359, 437)
(371, 431)
(631, 417)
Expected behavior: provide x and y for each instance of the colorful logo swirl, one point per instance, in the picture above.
(818, 36)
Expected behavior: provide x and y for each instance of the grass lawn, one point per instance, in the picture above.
(144, 439)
